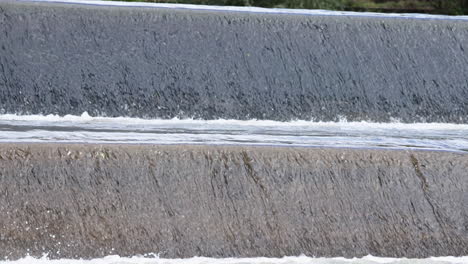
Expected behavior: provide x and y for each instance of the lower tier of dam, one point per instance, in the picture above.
(86, 201)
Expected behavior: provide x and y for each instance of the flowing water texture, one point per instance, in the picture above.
(204, 75)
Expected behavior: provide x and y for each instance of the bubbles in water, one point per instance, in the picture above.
(84, 128)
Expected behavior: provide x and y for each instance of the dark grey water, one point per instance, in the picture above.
(165, 61)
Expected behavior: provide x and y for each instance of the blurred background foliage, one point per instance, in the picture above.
(450, 7)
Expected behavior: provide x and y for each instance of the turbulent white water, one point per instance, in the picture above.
(286, 260)
(86, 129)
(253, 9)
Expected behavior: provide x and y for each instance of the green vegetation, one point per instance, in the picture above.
(451, 7)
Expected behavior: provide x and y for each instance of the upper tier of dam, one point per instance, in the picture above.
(166, 61)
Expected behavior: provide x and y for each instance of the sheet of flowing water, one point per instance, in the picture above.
(285, 260)
(86, 129)
(81, 129)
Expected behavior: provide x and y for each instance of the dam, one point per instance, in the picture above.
(165, 63)
(180, 131)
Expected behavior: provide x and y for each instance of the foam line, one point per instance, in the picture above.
(258, 10)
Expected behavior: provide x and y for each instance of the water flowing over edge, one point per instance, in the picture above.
(315, 12)
(153, 259)
(266, 67)
(86, 118)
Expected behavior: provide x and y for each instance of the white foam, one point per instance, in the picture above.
(85, 118)
(285, 260)
(314, 12)
(124, 130)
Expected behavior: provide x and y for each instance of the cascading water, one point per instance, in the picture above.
(183, 131)
(202, 64)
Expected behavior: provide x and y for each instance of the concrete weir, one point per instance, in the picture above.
(228, 201)
(58, 58)
(86, 201)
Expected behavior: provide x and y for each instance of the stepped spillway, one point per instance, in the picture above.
(176, 97)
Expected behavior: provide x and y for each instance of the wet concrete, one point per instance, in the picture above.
(159, 63)
(226, 201)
